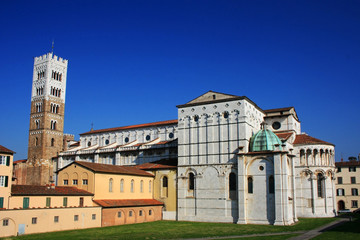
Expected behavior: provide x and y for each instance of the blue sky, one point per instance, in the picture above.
(133, 61)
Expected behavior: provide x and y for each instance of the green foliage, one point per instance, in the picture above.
(176, 230)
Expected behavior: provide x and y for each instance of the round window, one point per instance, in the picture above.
(261, 168)
(89, 143)
(196, 118)
(171, 135)
(276, 125)
(126, 139)
(107, 141)
(147, 137)
(226, 114)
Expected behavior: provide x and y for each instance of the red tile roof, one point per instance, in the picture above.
(278, 109)
(20, 161)
(5, 150)
(347, 164)
(37, 190)
(284, 135)
(128, 203)
(114, 169)
(306, 139)
(133, 127)
(161, 164)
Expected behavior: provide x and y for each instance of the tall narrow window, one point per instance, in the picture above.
(232, 186)
(150, 183)
(52, 142)
(132, 186)
(65, 201)
(122, 185)
(81, 202)
(271, 184)
(250, 185)
(320, 185)
(48, 202)
(164, 189)
(26, 202)
(141, 186)
(36, 141)
(191, 181)
(110, 185)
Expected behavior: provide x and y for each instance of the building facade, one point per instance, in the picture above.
(348, 185)
(6, 162)
(46, 138)
(236, 162)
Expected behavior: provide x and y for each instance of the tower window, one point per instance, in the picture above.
(52, 142)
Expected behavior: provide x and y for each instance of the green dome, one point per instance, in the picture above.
(264, 140)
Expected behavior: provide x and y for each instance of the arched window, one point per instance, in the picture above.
(122, 185)
(164, 189)
(141, 186)
(191, 181)
(37, 122)
(250, 185)
(54, 125)
(52, 142)
(36, 141)
(232, 186)
(132, 186)
(320, 185)
(271, 184)
(110, 185)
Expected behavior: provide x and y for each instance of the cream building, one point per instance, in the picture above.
(6, 165)
(348, 185)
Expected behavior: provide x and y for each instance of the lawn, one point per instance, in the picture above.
(176, 230)
(349, 230)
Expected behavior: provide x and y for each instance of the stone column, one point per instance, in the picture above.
(279, 193)
(313, 192)
(96, 157)
(241, 189)
(117, 158)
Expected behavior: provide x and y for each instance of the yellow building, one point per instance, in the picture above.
(35, 208)
(347, 185)
(164, 184)
(6, 165)
(125, 193)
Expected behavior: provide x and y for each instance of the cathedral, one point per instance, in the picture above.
(236, 162)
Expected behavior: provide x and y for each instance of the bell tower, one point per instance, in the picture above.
(46, 132)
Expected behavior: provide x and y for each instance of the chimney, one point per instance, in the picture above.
(52, 185)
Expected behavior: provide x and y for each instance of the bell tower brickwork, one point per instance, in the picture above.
(46, 132)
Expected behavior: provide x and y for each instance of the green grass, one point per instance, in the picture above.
(277, 237)
(176, 230)
(348, 230)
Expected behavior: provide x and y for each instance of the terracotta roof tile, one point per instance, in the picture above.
(347, 164)
(127, 202)
(306, 139)
(20, 161)
(108, 168)
(5, 150)
(161, 164)
(284, 135)
(133, 127)
(37, 190)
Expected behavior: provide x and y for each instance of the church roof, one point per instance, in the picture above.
(161, 164)
(38, 190)
(306, 139)
(264, 140)
(215, 97)
(112, 169)
(144, 125)
(5, 150)
(127, 202)
(284, 135)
